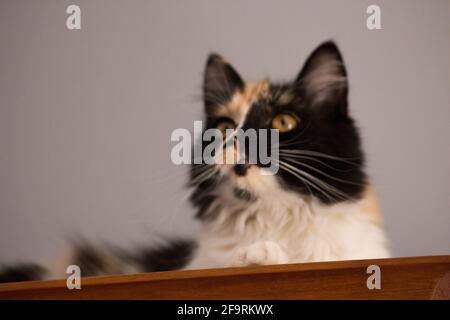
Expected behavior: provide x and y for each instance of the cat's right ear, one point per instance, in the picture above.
(323, 79)
(220, 82)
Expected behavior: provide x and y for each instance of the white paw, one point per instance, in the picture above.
(259, 253)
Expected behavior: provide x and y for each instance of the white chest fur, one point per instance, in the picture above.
(287, 229)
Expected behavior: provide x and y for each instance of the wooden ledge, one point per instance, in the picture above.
(401, 278)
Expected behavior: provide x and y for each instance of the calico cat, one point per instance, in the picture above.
(319, 206)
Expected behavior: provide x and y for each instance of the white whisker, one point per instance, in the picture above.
(297, 156)
(323, 173)
(320, 154)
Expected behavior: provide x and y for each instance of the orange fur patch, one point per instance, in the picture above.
(241, 101)
(371, 206)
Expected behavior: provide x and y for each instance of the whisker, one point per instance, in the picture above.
(320, 182)
(323, 155)
(323, 173)
(204, 175)
(296, 156)
(306, 182)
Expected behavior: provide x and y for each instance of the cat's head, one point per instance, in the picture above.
(319, 146)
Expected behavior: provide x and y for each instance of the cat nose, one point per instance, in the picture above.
(241, 169)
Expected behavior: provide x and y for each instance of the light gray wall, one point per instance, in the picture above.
(86, 116)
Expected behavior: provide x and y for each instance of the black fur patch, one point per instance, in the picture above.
(22, 272)
(241, 169)
(202, 197)
(173, 255)
(94, 262)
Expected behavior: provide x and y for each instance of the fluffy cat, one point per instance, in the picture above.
(319, 206)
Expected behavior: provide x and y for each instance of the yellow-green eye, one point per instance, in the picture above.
(284, 122)
(224, 125)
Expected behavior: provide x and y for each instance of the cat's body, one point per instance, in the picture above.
(319, 206)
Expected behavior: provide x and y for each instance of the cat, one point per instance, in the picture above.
(319, 206)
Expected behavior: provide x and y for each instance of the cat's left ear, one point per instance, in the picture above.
(323, 79)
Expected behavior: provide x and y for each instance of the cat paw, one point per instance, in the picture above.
(260, 253)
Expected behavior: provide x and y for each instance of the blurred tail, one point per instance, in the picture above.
(108, 260)
(22, 272)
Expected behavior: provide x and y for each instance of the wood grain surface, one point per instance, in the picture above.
(401, 278)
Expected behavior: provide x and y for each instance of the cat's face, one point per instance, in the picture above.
(319, 147)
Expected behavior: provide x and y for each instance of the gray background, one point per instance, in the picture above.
(86, 116)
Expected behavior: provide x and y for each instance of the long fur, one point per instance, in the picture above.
(320, 206)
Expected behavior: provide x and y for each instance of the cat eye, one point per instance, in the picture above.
(284, 122)
(224, 125)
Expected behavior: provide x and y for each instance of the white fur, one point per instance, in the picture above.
(283, 227)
